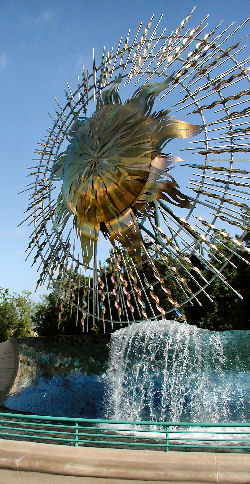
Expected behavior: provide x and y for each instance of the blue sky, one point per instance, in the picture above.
(43, 44)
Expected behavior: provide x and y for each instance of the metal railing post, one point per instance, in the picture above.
(233, 436)
(167, 438)
(76, 434)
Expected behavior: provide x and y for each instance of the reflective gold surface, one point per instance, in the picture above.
(114, 167)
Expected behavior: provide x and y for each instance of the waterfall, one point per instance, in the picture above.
(165, 370)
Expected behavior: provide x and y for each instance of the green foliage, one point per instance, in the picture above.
(46, 316)
(15, 315)
(228, 311)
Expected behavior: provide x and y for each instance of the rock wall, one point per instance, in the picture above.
(8, 366)
(52, 371)
(59, 356)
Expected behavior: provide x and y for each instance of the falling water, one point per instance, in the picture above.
(166, 370)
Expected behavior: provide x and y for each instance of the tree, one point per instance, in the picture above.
(228, 311)
(46, 316)
(15, 315)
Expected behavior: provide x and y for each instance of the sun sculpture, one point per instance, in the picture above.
(107, 159)
(114, 168)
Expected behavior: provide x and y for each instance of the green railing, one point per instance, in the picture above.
(185, 436)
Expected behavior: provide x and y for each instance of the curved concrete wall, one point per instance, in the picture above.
(30, 463)
(8, 366)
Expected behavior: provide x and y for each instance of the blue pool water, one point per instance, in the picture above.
(156, 371)
(79, 395)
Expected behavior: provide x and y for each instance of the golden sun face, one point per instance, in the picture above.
(114, 168)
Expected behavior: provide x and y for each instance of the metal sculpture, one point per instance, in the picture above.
(107, 157)
(114, 168)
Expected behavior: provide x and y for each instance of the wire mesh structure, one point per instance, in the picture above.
(101, 169)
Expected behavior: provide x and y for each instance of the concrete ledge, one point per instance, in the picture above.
(44, 463)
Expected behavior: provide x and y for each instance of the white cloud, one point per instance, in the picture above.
(4, 61)
(83, 59)
(43, 18)
(19, 252)
(39, 292)
(79, 62)
(16, 232)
